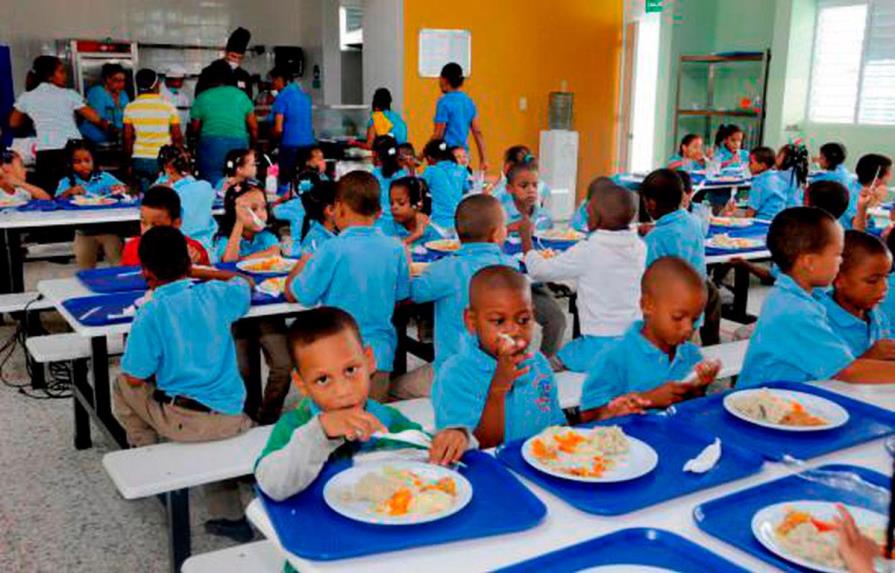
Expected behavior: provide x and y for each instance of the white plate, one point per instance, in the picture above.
(444, 245)
(765, 520)
(244, 266)
(742, 243)
(731, 222)
(625, 569)
(361, 511)
(11, 201)
(92, 201)
(269, 286)
(833, 412)
(639, 460)
(567, 236)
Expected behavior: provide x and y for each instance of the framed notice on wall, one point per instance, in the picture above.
(439, 47)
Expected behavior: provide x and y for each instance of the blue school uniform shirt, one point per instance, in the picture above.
(677, 234)
(364, 273)
(196, 202)
(182, 337)
(385, 184)
(399, 126)
(292, 211)
(102, 102)
(841, 175)
(446, 186)
(500, 190)
(259, 242)
(295, 106)
(99, 184)
(722, 154)
(687, 165)
(888, 305)
(768, 195)
(391, 228)
(579, 218)
(858, 334)
(793, 340)
(795, 195)
(446, 282)
(540, 217)
(456, 110)
(461, 387)
(317, 235)
(634, 364)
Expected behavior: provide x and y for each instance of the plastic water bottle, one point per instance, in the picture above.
(478, 181)
(270, 182)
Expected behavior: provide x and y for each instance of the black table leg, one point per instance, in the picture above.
(738, 312)
(82, 399)
(178, 527)
(102, 391)
(11, 273)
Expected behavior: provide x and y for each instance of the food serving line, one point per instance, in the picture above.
(715, 515)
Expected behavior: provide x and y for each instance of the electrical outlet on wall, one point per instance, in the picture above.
(523, 103)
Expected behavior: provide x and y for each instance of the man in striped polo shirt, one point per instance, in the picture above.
(149, 123)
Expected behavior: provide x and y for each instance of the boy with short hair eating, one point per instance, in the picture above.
(853, 307)
(493, 387)
(160, 207)
(654, 364)
(336, 417)
(793, 340)
(360, 271)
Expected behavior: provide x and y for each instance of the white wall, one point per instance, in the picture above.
(384, 49)
(32, 26)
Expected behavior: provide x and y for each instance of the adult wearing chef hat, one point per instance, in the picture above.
(233, 56)
(176, 93)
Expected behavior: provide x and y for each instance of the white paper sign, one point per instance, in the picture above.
(440, 47)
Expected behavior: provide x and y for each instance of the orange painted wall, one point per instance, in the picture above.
(525, 48)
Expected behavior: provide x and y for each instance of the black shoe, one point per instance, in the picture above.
(238, 530)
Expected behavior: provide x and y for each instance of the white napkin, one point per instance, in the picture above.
(706, 460)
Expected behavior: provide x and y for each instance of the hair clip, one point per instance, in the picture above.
(229, 164)
(442, 146)
(528, 158)
(392, 151)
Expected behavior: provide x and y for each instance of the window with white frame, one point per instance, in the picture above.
(853, 69)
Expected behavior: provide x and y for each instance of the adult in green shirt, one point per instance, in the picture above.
(224, 119)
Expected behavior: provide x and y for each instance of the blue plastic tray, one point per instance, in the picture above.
(675, 445)
(729, 518)
(39, 205)
(308, 528)
(105, 304)
(113, 279)
(865, 423)
(640, 546)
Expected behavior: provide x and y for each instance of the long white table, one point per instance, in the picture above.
(96, 402)
(13, 223)
(565, 525)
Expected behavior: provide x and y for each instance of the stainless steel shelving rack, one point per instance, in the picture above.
(709, 111)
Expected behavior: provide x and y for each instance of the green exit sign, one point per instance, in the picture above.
(653, 6)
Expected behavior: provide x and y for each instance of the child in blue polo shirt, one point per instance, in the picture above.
(831, 160)
(517, 155)
(853, 306)
(480, 227)
(179, 375)
(319, 224)
(871, 187)
(793, 340)
(447, 182)
(493, 387)
(387, 168)
(768, 194)
(677, 233)
(337, 418)
(729, 147)
(690, 155)
(792, 168)
(410, 206)
(522, 200)
(85, 178)
(456, 115)
(361, 271)
(196, 196)
(240, 238)
(240, 165)
(888, 305)
(580, 218)
(654, 360)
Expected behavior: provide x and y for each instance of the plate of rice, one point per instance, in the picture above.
(804, 532)
(560, 235)
(444, 245)
(602, 454)
(725, 241)
(273, 286)
(786, 410)
(393, 492)
(267, 266)
(91, 201)
(7, 201)
(731, 222)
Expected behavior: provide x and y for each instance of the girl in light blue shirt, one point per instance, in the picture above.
(196, 196)
(387, 168)
(410, 207)
(320, 221)
(244, 235)
(831, 160)
(447, 182)
(690, 155)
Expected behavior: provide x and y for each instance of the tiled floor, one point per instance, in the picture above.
(59, 511)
